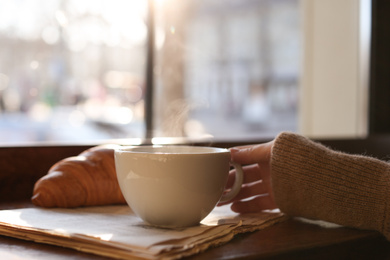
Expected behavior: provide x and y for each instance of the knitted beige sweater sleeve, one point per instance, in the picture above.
(309, 180)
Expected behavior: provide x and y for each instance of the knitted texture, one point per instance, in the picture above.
(312, 181)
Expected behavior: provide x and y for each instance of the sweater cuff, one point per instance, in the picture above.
(312, 181)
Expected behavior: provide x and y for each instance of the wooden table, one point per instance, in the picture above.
(293, 239)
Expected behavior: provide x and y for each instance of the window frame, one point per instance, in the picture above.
(379, 115)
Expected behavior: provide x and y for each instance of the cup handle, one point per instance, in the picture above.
(239, 177)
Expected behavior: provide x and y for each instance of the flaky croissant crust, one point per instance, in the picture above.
(88, 179)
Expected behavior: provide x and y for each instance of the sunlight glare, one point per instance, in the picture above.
(105, 237)
(14, 217)
(159, 2)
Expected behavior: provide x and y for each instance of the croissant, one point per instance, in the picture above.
(88, 179)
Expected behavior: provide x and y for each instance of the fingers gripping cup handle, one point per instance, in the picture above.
(239, 177)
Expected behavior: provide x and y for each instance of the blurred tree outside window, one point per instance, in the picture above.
(74, 70)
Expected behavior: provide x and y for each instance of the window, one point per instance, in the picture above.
(238, 64)
(75, 70)
(71, 70)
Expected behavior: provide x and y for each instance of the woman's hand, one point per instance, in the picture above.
(256, 192)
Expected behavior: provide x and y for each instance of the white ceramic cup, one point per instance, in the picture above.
(174, 186)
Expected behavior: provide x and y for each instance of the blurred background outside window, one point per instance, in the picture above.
(228, 69)
(74, 70)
